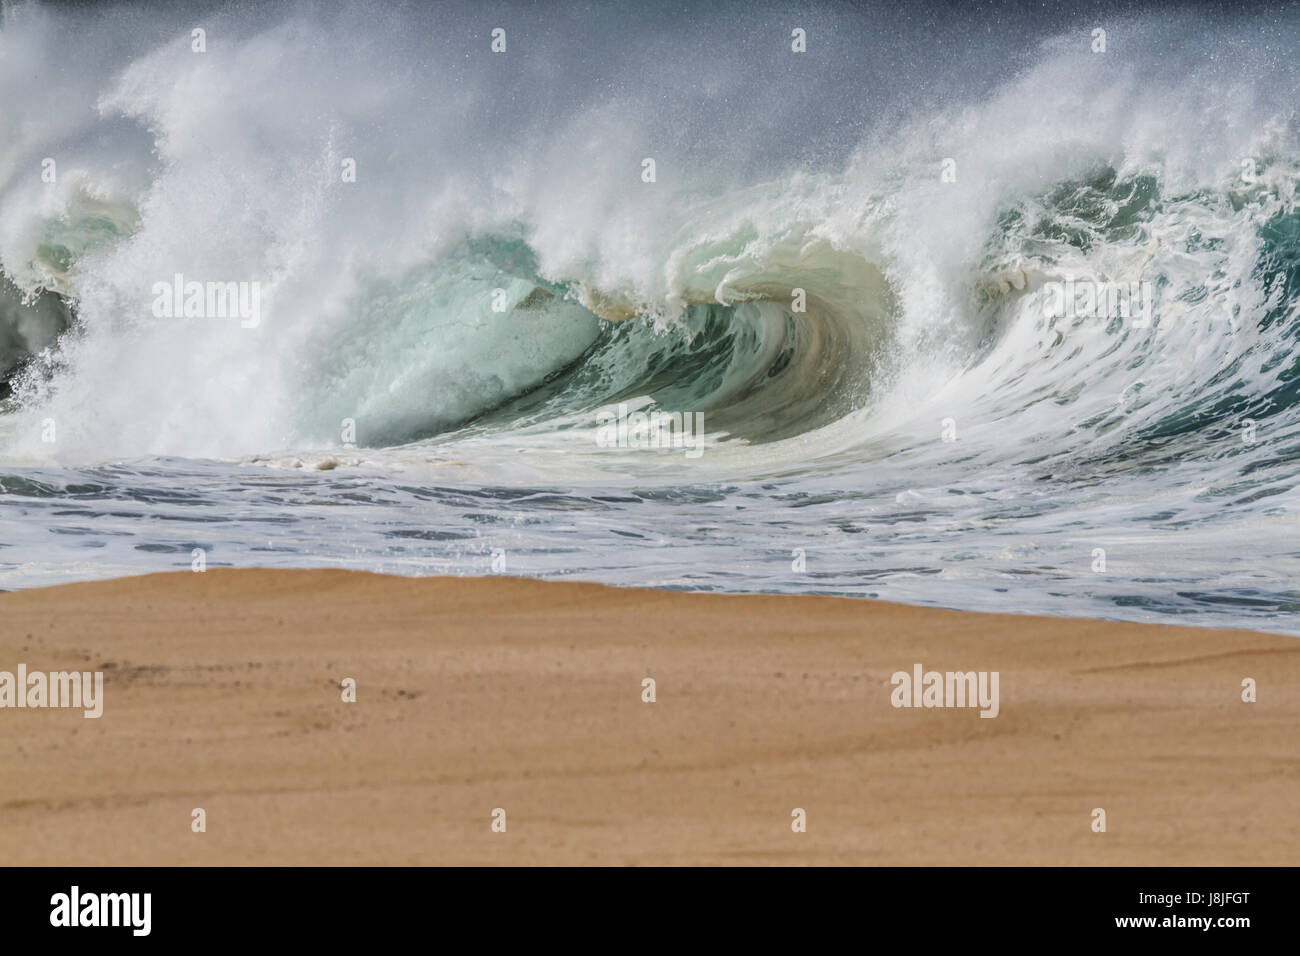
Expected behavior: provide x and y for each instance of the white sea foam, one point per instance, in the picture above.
(515, 179)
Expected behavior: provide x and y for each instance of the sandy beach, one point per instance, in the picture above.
(222, 692)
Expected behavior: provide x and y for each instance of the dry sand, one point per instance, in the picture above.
(222, 691)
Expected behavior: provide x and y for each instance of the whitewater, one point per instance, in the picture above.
(463, 261)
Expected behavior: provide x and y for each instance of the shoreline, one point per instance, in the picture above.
(222, 692)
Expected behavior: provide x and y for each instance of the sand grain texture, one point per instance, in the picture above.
(222, 692)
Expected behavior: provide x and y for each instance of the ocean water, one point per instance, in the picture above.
(441, 336)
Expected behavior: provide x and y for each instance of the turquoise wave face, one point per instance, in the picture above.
(28, 326)
(947, 333)
(482, 338)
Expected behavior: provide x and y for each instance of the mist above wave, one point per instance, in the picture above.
(522, 172)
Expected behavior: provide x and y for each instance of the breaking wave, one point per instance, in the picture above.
(838, 281)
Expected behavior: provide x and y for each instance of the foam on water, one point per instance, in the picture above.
(825, 469)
